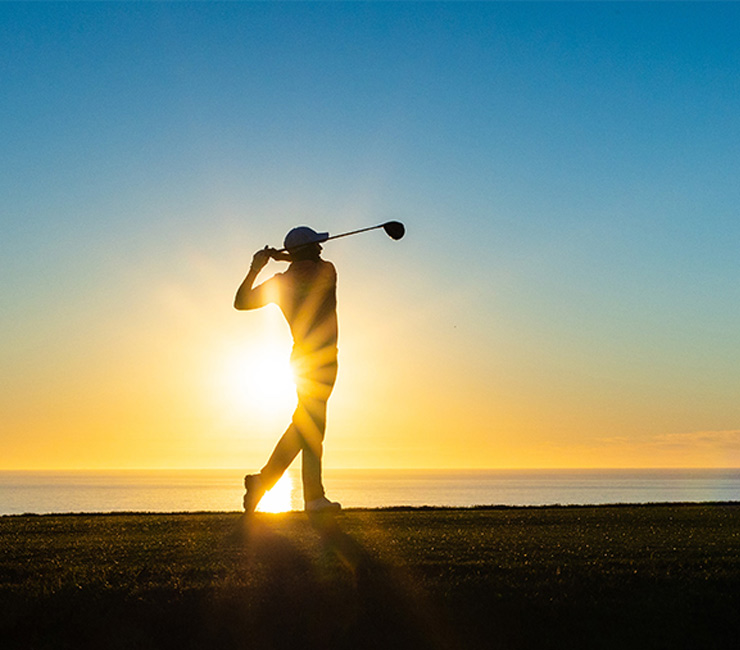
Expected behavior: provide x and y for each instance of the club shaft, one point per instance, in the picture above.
(345, 234)
(354, 232)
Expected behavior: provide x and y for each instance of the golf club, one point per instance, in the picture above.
(394, 229)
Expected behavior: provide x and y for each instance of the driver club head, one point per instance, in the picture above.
(394, 229)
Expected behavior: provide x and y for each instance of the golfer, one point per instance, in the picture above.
(306, 295)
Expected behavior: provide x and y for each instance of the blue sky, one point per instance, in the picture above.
(567, 173)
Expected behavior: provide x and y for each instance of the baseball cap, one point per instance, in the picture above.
(302, 235)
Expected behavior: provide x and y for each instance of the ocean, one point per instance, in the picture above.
(42, 492)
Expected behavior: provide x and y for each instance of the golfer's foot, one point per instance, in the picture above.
(322, 505)
(255, 491)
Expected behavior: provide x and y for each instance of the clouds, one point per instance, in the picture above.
(680, 449)
(722, 442)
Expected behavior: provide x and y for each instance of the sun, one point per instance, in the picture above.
(259, 381)
(278, 499)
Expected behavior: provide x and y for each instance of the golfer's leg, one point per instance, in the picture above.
(312, 430)
(314, 385)
(282, 456)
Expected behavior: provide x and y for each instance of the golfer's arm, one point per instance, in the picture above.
(248, 297)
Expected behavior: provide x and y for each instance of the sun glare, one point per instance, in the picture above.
(279, 498)
(260, 381)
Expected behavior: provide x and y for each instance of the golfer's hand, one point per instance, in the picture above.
(260, 258)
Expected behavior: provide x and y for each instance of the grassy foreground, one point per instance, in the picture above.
(656, 576)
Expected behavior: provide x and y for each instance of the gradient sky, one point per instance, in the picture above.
(567, 294)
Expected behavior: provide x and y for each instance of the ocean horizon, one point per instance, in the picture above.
(71, 491)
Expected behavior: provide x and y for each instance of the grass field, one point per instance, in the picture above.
(654, 576)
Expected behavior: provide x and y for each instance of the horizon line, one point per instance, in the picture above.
(379, 469)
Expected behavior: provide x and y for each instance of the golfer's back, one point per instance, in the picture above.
(307, 298)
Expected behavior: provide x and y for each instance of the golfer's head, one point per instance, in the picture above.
(303, 243)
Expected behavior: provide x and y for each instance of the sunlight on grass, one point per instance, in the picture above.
(278, 499)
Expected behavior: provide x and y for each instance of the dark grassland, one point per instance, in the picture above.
(654, 576)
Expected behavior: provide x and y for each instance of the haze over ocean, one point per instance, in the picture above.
(220, 490)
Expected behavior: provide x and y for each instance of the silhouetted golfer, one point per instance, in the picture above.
(306, 294)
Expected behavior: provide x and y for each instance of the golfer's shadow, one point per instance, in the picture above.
(361, 564)
(349, 598)
(395, 610)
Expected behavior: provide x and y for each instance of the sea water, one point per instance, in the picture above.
(221, 490)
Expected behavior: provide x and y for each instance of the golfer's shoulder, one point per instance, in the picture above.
(328, 267)
(327, 274)
(310, 271)
(276, 280)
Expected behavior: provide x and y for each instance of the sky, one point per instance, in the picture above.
(566, 295)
